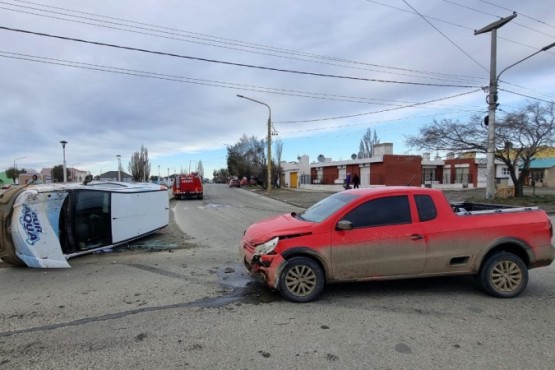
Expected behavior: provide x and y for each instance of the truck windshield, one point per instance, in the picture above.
(326, 207)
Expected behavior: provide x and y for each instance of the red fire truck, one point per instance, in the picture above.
(187, 186)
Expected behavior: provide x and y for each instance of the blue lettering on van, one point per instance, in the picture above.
(31, 225)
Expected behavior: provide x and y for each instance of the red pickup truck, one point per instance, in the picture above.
(397, 233)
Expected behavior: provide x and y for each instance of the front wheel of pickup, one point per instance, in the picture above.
(302, 280)
(504, 275)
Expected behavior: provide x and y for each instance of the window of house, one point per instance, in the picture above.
(379, 212)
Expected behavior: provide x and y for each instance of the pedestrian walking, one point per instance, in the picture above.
(356, 181)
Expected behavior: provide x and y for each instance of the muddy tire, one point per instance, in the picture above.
(302, 280)
(12, 260)
(503, 275)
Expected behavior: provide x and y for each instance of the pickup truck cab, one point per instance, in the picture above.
(187, 186)
(44, 225)
(397, 233)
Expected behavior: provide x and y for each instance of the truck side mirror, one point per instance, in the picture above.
(344, 225)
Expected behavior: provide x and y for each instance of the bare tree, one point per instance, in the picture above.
(278, 145)
(139, 165)
(366, 147)
(520, 135)
(200, 169)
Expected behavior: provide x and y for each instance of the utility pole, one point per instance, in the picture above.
(492, 102)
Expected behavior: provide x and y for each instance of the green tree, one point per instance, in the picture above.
(13, 173)
(520, 135)
(58, 173)
(247, 158)
(139, 165)
(221, 175)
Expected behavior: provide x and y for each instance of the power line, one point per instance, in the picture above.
(369, 123)
(526, 96)
(230, 63)
(381, 111)
(521, 14)
(202, 39)
(445, 36)
(211, 83)
(451, 23)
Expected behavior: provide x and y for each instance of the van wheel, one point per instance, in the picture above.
(302, 280)
(503, 275)
(12, 259)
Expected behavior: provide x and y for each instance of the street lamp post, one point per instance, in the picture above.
(14, 167)
(269, 185)
(119, 167)
(63, 142)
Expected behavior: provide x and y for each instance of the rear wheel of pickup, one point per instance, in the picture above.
(302, 280)
(503, 275)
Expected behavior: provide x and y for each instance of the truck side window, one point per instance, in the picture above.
(426, 207)
(379, 212)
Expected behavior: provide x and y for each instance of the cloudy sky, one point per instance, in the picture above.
(109, 76)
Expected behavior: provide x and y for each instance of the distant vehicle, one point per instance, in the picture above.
(234, 183)
(397, 233)
(44, 225)
(188, 186)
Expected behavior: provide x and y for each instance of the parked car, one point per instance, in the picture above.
(397, 233)
(234, 183)
(44, 225)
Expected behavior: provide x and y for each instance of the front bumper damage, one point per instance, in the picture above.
(265, 268)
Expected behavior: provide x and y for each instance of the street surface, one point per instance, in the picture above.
(194, 307)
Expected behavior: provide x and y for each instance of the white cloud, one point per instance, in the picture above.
(102, 114)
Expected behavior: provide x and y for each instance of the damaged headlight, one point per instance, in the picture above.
(267, 247)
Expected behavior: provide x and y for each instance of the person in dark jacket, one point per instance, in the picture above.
(356, 181)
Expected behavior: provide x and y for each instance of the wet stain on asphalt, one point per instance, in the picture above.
(238, 288)
(403, 348)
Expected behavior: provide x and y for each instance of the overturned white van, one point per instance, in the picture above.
(44, 225)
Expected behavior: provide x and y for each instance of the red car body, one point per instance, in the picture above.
(393, 233)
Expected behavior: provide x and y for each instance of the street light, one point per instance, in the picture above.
(63, 142)
(119, 167)
(269, 186)
(15, 168)
(492, 97)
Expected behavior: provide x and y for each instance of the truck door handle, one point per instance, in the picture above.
(416, 236)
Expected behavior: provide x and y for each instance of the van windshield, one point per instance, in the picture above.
(326, 207)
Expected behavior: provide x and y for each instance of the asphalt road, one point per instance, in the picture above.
(195, 308)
